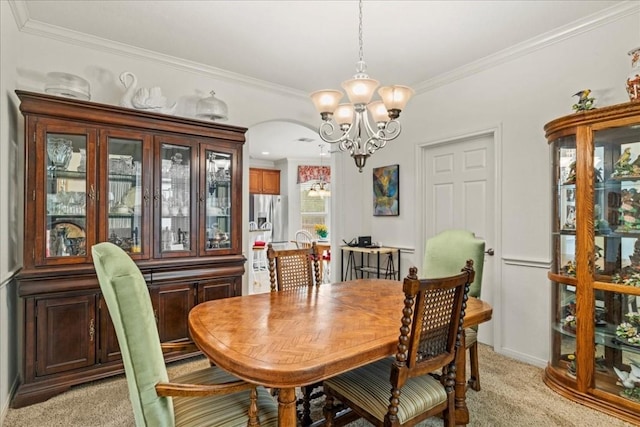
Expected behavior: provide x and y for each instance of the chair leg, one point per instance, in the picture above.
(306, 406)
(253, 409)
(474, 380)
(328, 410)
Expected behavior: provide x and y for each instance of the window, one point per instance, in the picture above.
(313, 210)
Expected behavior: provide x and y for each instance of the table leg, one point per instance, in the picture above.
(287, 407)
(462, 412)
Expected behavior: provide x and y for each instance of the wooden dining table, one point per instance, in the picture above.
(298, 337)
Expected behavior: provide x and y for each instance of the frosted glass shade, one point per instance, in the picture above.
(378, 111)
(395, 97)
(326, 101)
(343, 114)
(360, 90)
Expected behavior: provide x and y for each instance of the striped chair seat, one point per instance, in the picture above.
(471, 336)
(228, 410)
(368, 387)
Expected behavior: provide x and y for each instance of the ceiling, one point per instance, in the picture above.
(310, 45)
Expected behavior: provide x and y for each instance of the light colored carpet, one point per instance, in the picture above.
(512, 394)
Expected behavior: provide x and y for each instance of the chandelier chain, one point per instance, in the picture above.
(360, 30)
(361, 126)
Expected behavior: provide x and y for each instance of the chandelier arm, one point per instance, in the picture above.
(326, 131)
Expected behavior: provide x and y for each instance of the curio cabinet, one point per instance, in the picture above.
(595, 273)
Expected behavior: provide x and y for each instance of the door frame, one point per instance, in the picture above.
(494, 132)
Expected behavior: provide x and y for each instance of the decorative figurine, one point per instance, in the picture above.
(571, 173)
(630, 275)
(623, 169)
(150, 99)
(584, 102)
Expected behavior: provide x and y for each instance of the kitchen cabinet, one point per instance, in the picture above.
(595, 270)
(264, 181)
(165, 189)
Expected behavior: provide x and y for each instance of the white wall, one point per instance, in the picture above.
(10, 211)
(520, 96)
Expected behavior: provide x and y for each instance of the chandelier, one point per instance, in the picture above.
(320, 189)
(361, 133)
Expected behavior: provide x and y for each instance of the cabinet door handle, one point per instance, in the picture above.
(146, 196)
(155, 315)
(156, 196)
(489, 252)
(92, 193)
(92, 330)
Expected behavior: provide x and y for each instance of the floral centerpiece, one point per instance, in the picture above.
(321, 230)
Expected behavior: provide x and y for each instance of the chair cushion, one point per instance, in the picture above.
(471, 336)
(369, 388)
(227, 410)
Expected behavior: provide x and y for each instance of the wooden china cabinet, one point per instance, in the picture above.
(595, 273)
(165, 189)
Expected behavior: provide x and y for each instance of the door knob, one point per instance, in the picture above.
(489, 252)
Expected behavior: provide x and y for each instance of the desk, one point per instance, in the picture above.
(301, 336)
(388, 271)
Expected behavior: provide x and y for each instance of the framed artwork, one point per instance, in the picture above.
(386, 191)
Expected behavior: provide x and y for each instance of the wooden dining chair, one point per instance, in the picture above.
(303, 239)
(444, 253)
(291, 269)
(208, 396)
(400, 390)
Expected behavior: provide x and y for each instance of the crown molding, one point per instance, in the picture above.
(557, 35)
(37, 28)
(29, 26)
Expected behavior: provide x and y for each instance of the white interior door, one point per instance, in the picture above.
(460, 193)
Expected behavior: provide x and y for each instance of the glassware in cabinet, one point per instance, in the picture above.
(127, 196)
(176, 223)
(66, 195)
(218, 196)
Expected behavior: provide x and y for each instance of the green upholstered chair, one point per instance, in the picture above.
(206, 397)
(444, 253)
(401, 391)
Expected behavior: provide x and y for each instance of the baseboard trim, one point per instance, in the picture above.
(6, 405)
(541, 363)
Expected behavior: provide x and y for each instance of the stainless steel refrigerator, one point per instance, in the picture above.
(267, 208)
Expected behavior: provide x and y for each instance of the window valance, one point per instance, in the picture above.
(314, 173)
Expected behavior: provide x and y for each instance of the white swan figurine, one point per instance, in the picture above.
(143, 98)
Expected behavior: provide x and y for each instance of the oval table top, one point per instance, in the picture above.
(302, 336)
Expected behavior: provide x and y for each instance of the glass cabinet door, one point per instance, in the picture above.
(175, 206)
(564, 249)
(617, 261)
(127, 196)
(69, 196)
(217, 199)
